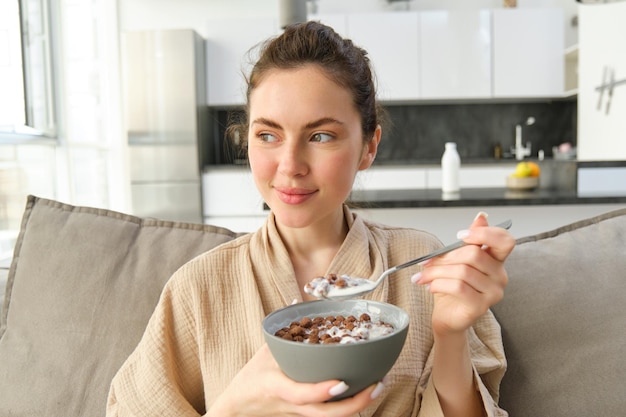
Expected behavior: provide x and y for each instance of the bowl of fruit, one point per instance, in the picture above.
(525, 177)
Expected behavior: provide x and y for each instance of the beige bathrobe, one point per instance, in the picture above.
(207, 325)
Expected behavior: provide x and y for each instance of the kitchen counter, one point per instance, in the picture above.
(410, 196)
(476, 197)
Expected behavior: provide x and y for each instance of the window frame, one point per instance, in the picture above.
(41, 124)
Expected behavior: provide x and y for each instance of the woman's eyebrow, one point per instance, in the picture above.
(311, 125)
(323, 121)
(266, 122)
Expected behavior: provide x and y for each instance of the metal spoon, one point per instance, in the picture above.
(360, 286)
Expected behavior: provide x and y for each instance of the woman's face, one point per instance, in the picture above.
(305, 144)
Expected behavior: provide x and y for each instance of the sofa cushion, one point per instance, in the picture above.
(563, 320)
(82, 285)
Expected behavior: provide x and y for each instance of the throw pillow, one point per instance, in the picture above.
(563, 321)
(81, 288)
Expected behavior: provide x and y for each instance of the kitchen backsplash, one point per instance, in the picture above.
(417, 133)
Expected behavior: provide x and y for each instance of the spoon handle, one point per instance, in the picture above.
(505, 225)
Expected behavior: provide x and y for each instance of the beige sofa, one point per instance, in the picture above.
(84, 281)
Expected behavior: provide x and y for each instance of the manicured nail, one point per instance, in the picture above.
(377, 391)
(340, 388)
(481, 214)
(462, 234)
(426, 262)
(415, 278)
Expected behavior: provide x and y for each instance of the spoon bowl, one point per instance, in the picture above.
(352, 287)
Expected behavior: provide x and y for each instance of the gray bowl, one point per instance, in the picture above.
(357, 364)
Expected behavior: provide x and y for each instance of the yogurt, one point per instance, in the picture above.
(333, 285)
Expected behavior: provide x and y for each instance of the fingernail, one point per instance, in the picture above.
(462, 234)
(481, 214)
(377, 391)
(340, 388)
(295, 301)
(415, 278)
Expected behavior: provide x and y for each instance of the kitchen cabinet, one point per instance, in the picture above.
(427, 55)
(455, 54)
(231, 199)
(528, 53)
(602, 82)
(392, 42)
(229, 43)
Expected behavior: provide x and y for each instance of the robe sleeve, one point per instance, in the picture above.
(162, 376)
(489, 362)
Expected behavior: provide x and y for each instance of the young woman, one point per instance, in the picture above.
(312, 123)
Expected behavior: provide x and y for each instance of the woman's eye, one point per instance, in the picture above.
(321, 137)
(267, 137)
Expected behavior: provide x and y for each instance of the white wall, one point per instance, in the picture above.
(193, 14)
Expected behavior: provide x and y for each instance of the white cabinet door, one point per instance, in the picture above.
(455, 54)
(230, 192)
(231, 200)
(528, 52)
(229, 42)
(602, 116)
(392, 42)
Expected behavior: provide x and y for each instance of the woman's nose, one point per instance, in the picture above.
(293, 160)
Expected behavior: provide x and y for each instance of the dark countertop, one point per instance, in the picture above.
(472, 197)
(475, 162)
(475, 197)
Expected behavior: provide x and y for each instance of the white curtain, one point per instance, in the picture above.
(78, 151)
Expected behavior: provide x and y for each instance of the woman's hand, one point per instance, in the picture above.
(468, 281)
(262, 389)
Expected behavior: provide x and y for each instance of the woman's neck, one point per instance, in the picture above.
(313, 248)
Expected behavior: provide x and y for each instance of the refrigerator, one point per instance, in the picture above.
(164, 79)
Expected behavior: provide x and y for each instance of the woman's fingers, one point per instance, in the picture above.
(312, 399)
(309, 399)
(497, 241)
(299, 393)
(346, 407)
(480, 281)
(471, 263)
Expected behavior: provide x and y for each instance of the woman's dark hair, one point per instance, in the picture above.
(315, 43)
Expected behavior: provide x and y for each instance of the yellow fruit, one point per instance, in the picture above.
(523, 169)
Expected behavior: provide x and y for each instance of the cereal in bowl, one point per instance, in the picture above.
(335, 329)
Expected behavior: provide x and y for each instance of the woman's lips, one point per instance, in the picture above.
(294, 195)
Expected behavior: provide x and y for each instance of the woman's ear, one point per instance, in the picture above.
(370, 149)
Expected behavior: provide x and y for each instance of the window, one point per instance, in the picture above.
(27, 106)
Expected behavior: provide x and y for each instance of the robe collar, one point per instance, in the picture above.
(360, 255)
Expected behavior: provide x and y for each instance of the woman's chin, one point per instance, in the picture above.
(293, 220)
